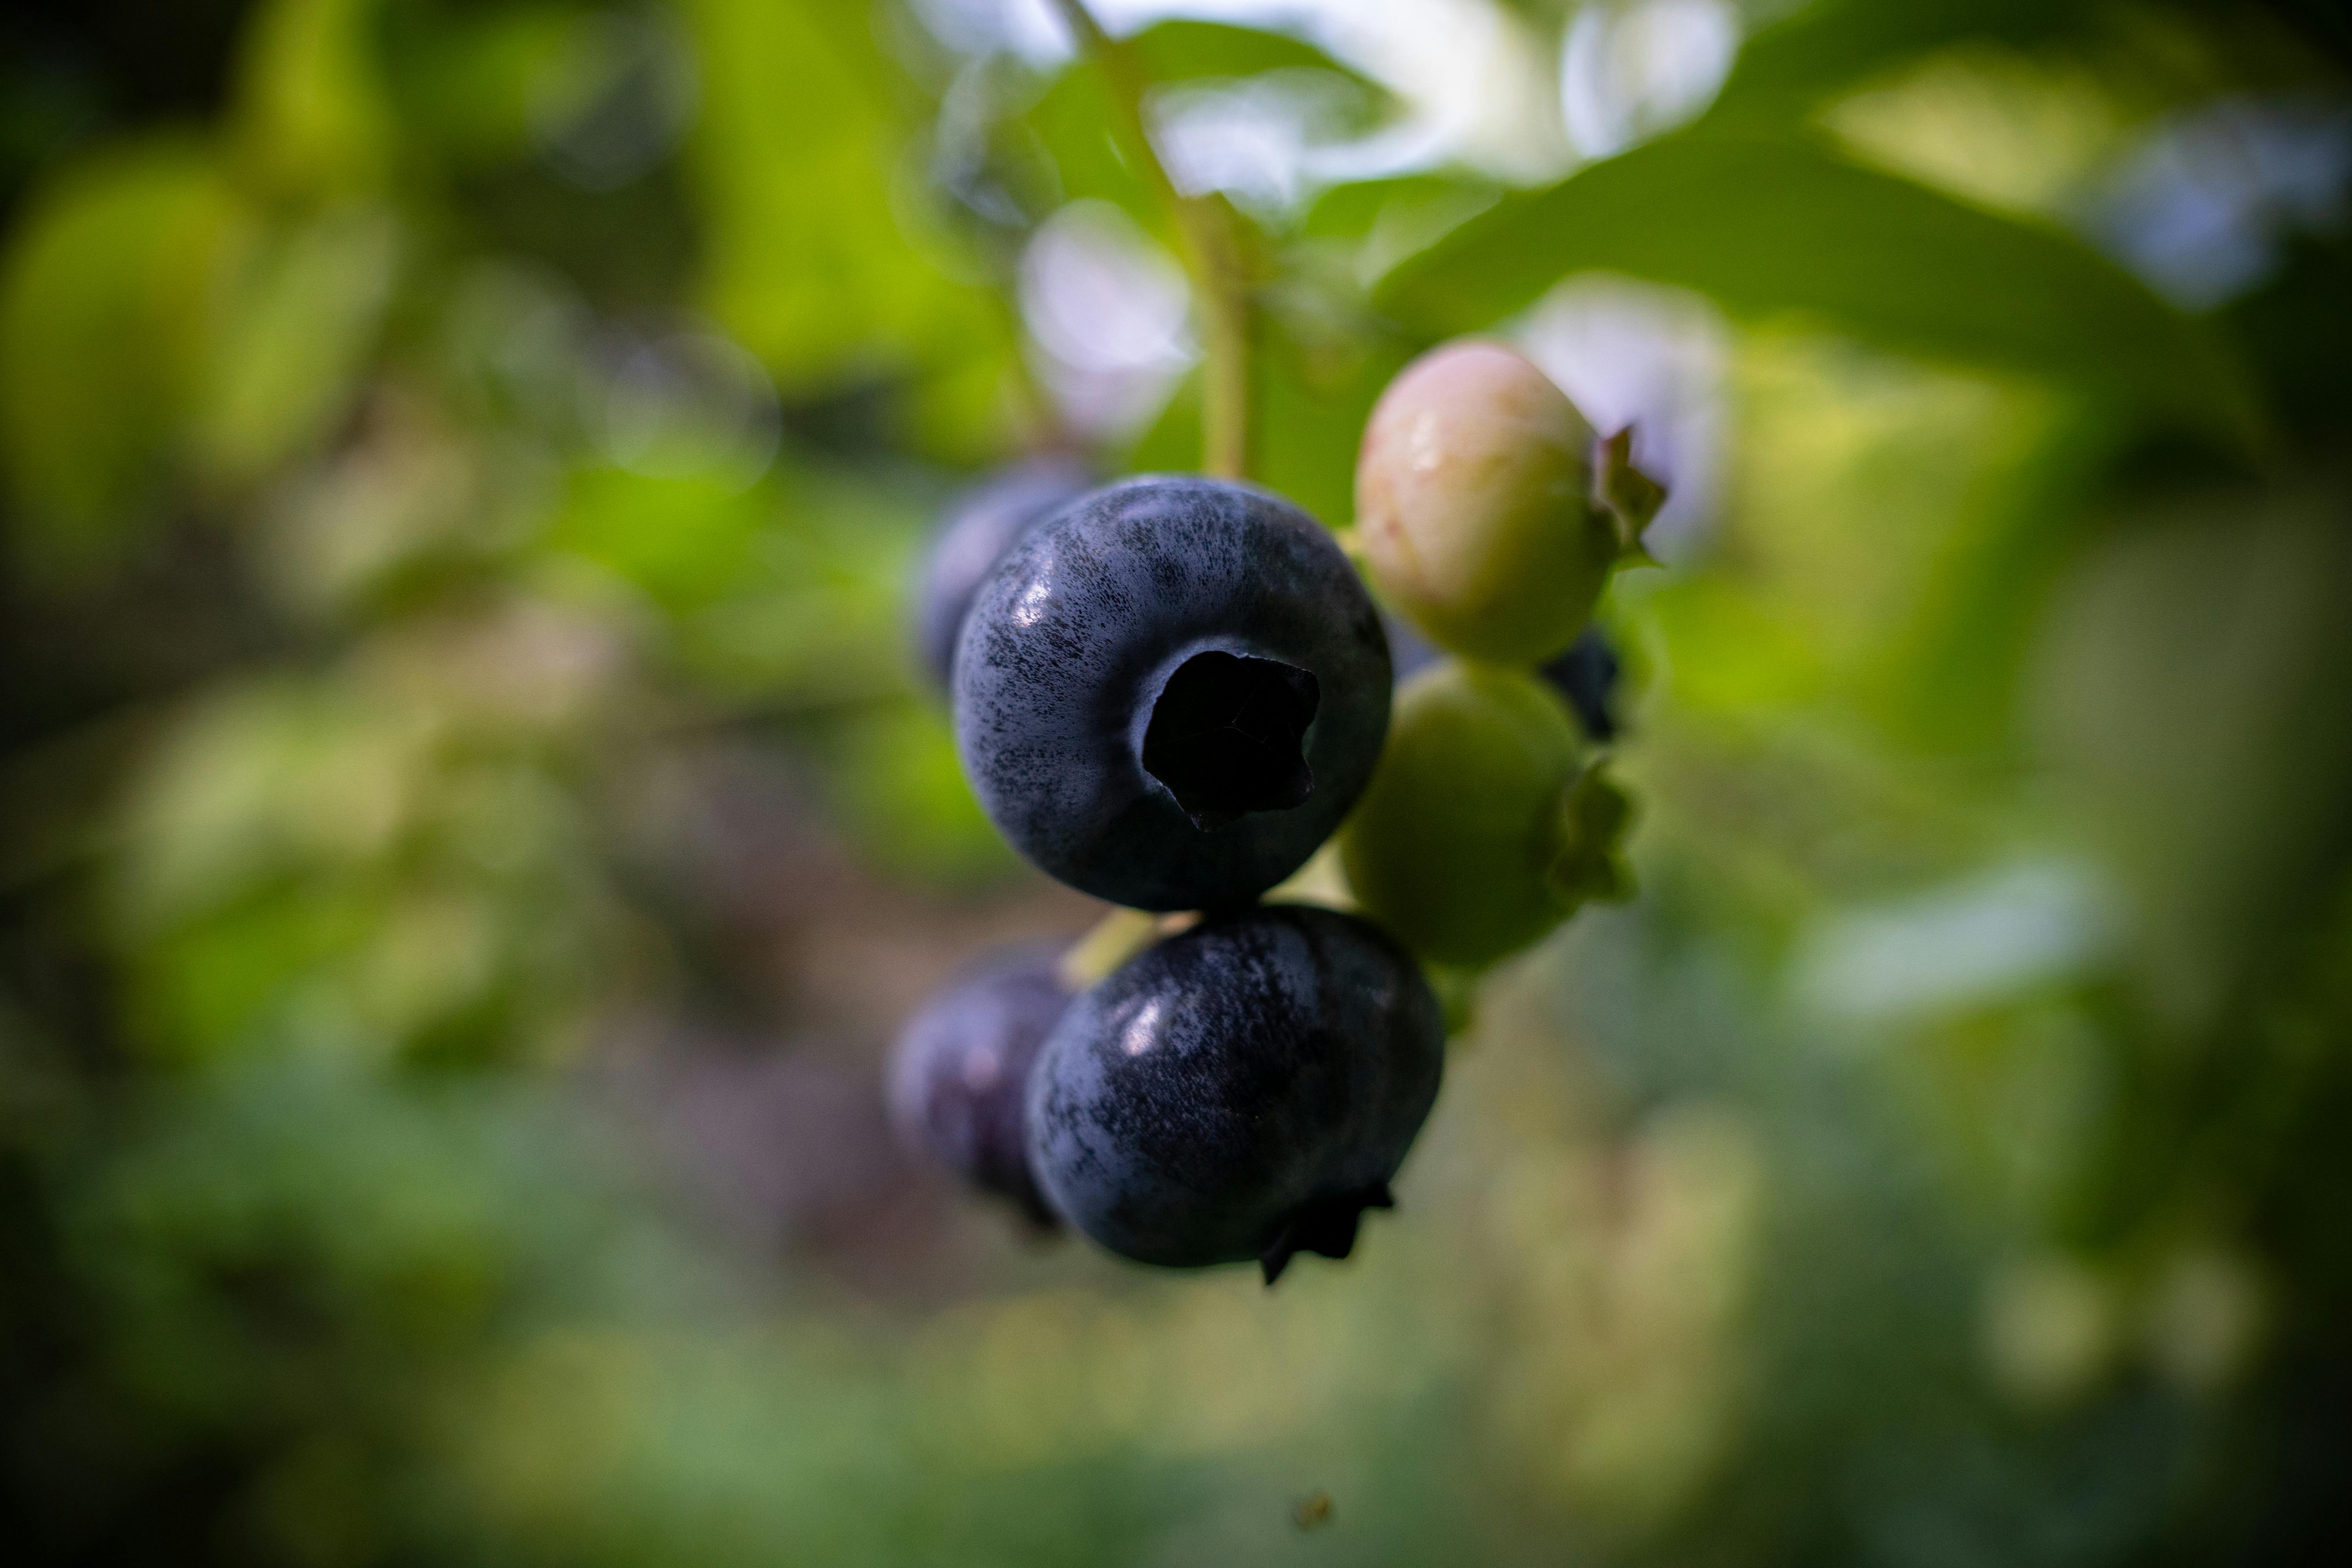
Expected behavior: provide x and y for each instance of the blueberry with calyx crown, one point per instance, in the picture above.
(1171, 692)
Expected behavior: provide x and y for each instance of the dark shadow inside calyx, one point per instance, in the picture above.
(1325, 1225)
(1227, 736)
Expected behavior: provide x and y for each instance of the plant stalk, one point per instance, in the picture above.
(1209, 241)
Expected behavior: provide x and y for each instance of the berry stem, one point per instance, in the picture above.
(1209, 241)
(1116, 938)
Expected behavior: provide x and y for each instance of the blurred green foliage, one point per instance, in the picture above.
(1779, 226)
(471, 821)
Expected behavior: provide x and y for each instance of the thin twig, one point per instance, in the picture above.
(1208, 237)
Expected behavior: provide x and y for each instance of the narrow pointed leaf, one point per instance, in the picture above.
(1786, 227)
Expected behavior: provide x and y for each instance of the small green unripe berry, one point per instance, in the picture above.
(1477, 510)
(1485, 825)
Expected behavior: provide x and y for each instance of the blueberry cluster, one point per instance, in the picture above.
(1490, 517)
(1170, 692)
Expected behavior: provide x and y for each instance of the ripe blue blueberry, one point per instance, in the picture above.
(973, 535)
(959, 1073)
(1586, 674)
(1243, 1091)
(1171, 692)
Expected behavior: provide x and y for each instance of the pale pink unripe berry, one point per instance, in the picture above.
(1477, 509)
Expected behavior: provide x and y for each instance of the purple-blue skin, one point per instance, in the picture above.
(973, 535)
(959, 1076)
(1586, 674)
(1244, 1089)
(1171, 692)
(1410, 653)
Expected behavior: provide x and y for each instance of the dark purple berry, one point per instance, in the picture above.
(1243, 1091)
(1410, 653)
(973, 535)
(1170, 692)
(1587, 675)
(959, 1076)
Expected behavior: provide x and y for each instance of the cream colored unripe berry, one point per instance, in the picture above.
(1476, 510)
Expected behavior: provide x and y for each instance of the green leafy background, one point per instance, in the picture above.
(467, 836)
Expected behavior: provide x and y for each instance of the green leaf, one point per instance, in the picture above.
(1074, 117)
(684, 541)
(464, 82)
(296, 339)
(1171, 444)
(895, 783)
(308, 118)
(1422, 206)
(1793, 63)
(206, 990)
(1189, 51)
(1775, 227)
(1314, 393)
(108, 312)
(813, 614)
(1072, 122)
(1311, 396)
(812, 255)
